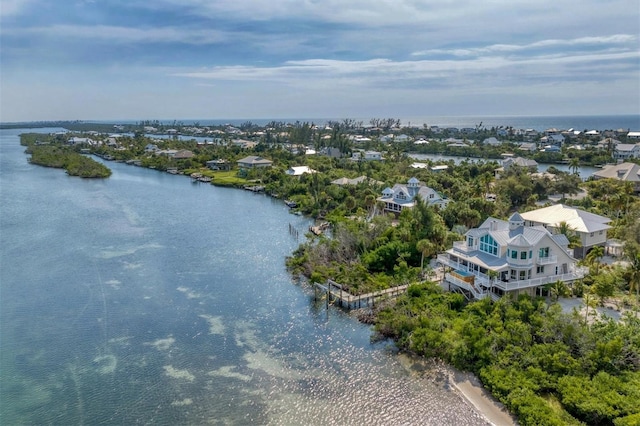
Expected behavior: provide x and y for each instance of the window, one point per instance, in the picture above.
(431, 196)
(530, 254)
(513, 274)
(514, 254)
(522, 275)
(523, 255)
(488, 245)
(540, 270)
(592, 234)
(600, 233)
(543, 252)
(470, 242)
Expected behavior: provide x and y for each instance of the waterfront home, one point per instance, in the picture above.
(492, 141)
(218, 164)
(182, 154)
(627, 172)
(633, 136)
(508, 258)
(299, 170)
(510, 161)
(253, 162)
(624, 151)
(361, 155)
(360, 179)
(590, 228)
(528, 146)
(403, 196)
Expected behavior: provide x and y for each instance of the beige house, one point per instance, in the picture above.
(254, 162)
(627, 172)
(508, 258)
(590, 228)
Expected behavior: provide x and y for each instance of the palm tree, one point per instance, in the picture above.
(426, 248)
(632, 252)
(574, 165)
(570, 233)
(593, 257)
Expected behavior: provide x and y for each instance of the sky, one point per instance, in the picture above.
(218, 59)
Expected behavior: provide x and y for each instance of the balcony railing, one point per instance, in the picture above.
(535, 282)
(488, 282)
(547, 260)
(475, 290)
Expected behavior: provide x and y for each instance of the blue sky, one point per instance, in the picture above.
(209, 59)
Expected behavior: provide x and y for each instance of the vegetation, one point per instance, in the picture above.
(527, 353)
(548, 367)
(75, 164)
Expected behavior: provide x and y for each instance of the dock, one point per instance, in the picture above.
(254, 188)
(335, 294)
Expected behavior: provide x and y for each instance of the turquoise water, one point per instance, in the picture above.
(146, 299)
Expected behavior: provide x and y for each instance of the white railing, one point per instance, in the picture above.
(461, 246)
(547, 260)
(535, 282)
(478, 294)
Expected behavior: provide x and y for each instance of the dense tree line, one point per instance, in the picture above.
(546, 366)
(63, 158)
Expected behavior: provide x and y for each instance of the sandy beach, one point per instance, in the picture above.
(471, 389)
(466, 384)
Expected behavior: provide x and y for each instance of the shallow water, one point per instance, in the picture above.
(146, 299)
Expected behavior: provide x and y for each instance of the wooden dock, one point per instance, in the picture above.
(334, 293)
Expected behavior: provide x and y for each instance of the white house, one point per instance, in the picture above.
(492, 141)
(624, 151)
(403, 196)
(366, 156)
(508, 258)
(589, 227)
(299, 170)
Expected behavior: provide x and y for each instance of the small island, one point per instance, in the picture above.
(46, 152)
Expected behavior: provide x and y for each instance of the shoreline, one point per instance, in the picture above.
(470, 388)
(464, 384)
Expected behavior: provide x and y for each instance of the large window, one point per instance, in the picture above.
(470, 242)
(488, 245)
(543, 252)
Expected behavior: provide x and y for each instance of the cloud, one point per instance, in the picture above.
(612, 40)
(126, 34)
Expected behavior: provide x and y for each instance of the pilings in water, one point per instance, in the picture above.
(293, 231)
(334, 293)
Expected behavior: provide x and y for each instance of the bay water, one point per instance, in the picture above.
(147, 299)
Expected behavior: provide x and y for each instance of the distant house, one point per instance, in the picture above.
(633, 136)
(360, 179)
(492, 141)
(254, 162)
(331, 152)
(403, 196)
(528, 146)
(218, 164)
(508, 258)
(624, 151)
(299, 170)
(627, 172)
(589, 227)
(183, 154)
(81, 141)
(507, 163)
(151, 148)
(366, 156)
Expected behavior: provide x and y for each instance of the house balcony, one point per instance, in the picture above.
(461, 246)
(476, 291)
(547, 260)
(539, 281)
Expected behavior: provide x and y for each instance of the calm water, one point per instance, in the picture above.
(146, 299)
